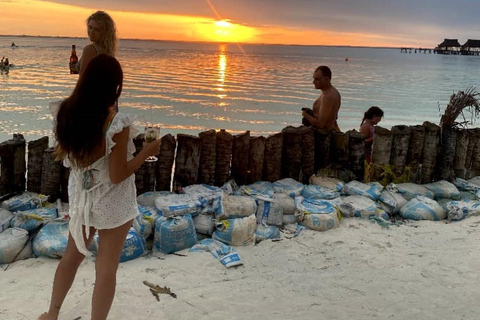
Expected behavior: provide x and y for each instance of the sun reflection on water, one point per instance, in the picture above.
(222, 73)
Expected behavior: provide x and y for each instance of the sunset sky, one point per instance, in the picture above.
(420, 23)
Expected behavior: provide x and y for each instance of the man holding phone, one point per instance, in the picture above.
(325, 108)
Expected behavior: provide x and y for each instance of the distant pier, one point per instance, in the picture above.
(417, 50)
(450, 47)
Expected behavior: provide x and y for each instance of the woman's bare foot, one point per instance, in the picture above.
(46, 316)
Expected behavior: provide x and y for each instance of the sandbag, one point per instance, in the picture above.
(147, 199)
(174, 234)
(236, 206)
(475, 181)
(314, 206)
(269, 212)
(464, 185)
(32, 219)
(225, 254)
(392, 200)
(320, 222)
(363, 207)
(178, 205)
(356, 188)
(331, 183)
(266, 232)
(410, 190)
(288, 186)
(51, 241)
(422, 208)
(24, 201)
(459, 210)
(285, 202)
(204, 224)
(211, 198)
(236, 232)
(443, 189)
(6, 218)
(259, 188)
(11, 242)
(133, 247)
(313, 191)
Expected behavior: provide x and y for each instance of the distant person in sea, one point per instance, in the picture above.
(96, 143)
(13, 44)
(367, 128)
(324, 114)
(103, 35)
(6, 63)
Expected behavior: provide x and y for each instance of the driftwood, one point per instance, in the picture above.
(240, 151)
(166, 157)
(356, 154)
(35, 156)
(415, 148)
(430, 148)
(381, 149)
(340, 148)
(272, 162)
(461, 147)
(308, 155)
(322, 149)
(224, 157)
(186, 161)
(399, 148)
(255, 159)
(156, 290)
(208, 157)
(292, 152)
(51, 173)
(448, 143)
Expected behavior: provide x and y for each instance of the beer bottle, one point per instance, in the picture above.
(73, 61)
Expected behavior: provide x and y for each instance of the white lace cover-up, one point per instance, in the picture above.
(94, 200)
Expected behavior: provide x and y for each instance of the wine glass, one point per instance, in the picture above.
(151, 134)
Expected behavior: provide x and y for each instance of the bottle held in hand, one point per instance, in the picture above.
(73, 61)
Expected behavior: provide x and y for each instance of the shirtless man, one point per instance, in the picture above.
(325, 108)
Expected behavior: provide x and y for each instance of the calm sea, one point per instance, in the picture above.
(191, 87)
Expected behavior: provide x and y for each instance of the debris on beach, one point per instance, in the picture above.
(156, 290)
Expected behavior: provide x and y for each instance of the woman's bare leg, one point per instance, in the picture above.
(110, 247)
(65, 274)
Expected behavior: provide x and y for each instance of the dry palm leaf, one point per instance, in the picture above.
(460, 102)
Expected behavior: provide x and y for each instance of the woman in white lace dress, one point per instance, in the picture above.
(96, 142)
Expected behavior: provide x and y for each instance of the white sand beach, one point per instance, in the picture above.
(419, 270)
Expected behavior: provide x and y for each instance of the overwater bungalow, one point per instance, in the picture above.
(471, 47)
(449, 46)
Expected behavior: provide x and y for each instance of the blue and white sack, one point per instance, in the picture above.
(313, 191)
(289, 186)
(237, 206)
(475, 180)
(225, 254)
(178, 205)
(269, 212)
(319, 222)
(459, 210)
(423, 208)
(314, 206)
(266, 232)
(392, 201)
(356, 188)
(363, 207)
(147, 199)
(236, 232)
(211, 197)
(11, 242)
(174, 234)
(285, 202)
(24, 201)
(443, 189)
(145, 221)
(464, 185)
(5, 219)
(32, 219)
(133, 247)
(51, 240)
(259, 188)
(204, 224)
(410, 190)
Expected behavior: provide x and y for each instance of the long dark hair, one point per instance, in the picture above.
(79, 128)
(372, 112)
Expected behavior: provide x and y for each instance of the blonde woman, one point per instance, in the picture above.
(103, 35)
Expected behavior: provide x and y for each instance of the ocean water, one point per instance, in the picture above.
(192, 87)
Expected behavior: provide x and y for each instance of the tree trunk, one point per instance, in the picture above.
(224, 157)
(308, 155)
(399, 150)
(340, 148)
(472, 140)
(208, 157)
(292, 152)
(415, 148)
(187, 161)
(255, 159)
(381, 150)
(460, 153)
(430, 149)
(19, 163)
(35, 157)
(64, 176)
(322, 149)
(51, 172)
(476, 154)
(166, 157)
(7, 163)
(240, 151)
(145, 175)
(272, 161)
(356, 152)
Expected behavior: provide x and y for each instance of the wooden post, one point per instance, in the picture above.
(19, 163)
(51, 173)
(430, 149)
(272, 162)
(64, 176)
(399, 149)
(340, 148)
(224, 157)
(476, 154)
(460, 153)
(166, 156)
(35, 157)
(308, 155)
(208, 157)
(415, 148)
(145, 175)
(322, 149)
(187, 161)
(292, 152)
(381, 150)
(356, 154)
(240, 151)
(447, 155)
(472, 140)
(6, 161)
(255, 159)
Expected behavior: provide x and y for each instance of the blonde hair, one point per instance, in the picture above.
(109, 31)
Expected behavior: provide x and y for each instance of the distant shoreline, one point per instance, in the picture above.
(207, 42)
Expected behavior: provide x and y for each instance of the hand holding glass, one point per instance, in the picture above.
(151, 134)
